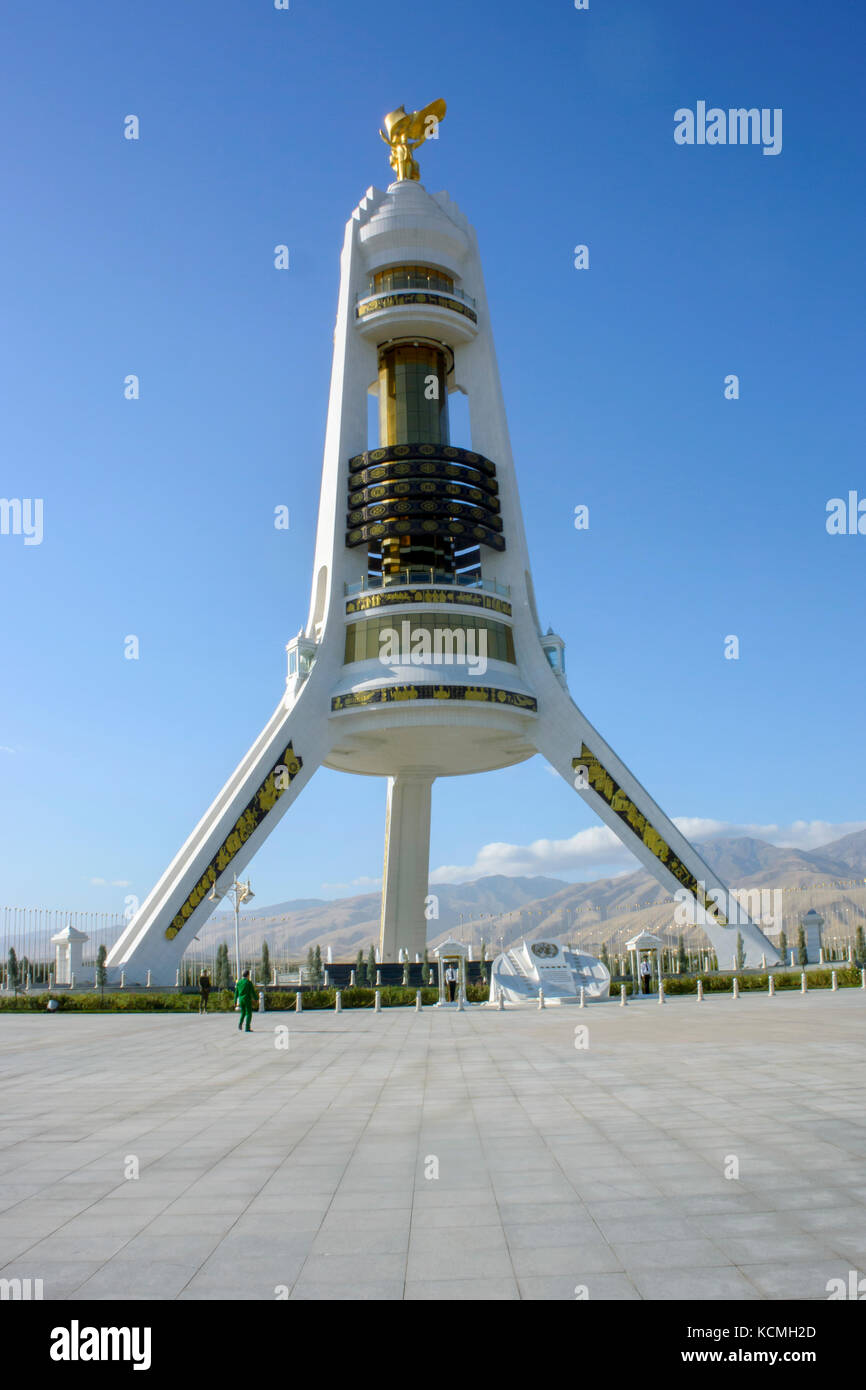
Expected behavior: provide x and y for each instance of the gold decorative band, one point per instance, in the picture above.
(259, 805)
(459, 530)
(390, 694)
(389, 597)
(392, 301)
(602, 782)
(450, 453)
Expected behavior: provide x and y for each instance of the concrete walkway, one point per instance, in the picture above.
(476, 1155)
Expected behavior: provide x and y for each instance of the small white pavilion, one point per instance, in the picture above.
(451, 952)
(645, 942)
(68, 947)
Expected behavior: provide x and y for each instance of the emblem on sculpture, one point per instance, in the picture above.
(406, 131)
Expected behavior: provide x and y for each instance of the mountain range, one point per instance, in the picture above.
(504, 909)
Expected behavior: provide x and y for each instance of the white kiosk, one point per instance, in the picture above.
(454, 953)
(68, 947)
(645, 943)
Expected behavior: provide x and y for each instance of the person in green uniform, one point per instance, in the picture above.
(244, 995)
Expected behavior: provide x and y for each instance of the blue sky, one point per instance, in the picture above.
(707, 516)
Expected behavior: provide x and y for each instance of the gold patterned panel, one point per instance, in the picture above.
(390, 597)
(619, 801)
(390, 694)
(257, 808)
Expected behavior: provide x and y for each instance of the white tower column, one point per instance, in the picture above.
(407, 864)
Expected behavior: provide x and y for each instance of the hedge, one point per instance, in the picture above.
(391, 996)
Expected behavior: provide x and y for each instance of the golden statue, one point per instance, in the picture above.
(406, 131)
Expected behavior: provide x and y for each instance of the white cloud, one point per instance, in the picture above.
(365, 883)
(98, 882)
(4, 748)
(597, 851)
(120, 882)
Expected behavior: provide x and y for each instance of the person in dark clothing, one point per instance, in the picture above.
(451, 978)
(245, 993)
(203, 991)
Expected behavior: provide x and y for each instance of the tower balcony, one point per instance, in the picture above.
(419, 577)
(449, 314)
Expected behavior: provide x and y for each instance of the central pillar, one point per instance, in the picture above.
(407, 864)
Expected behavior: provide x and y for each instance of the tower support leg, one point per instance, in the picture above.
(407, 864)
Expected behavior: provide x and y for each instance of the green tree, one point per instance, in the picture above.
(101, 972)
(605, 956)
(222, 974)
(310, 966)
(783, 947)
(427, 972)
(13, 971)
(265, 966)
(371, 967)
(740, 956)
(360, 969)
(318, 971)
(682, 958)
(860, 944)
(802, 953)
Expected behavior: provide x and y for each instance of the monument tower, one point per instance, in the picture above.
(423, 655)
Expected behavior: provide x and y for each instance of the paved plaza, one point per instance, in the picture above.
(440, 1155)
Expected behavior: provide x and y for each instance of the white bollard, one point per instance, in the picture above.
(352, 980)
(378, 977)
(772, 990)
(834, 982)
(261, 1001)
(736, 988)
(299, 1003)
(863, 979)
(622, 999)
(541, 1003)
(338, 1001)
(377, 1007)
(821, 960)
(417, 1001)
(803, 982)
(147, 981)
(460, 1000)
(123, 979)
(582, 997)
(72, 980)
(500, 998)
(661, 992)
(177, 979)
(700, 990)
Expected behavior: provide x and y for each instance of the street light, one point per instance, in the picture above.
(239, 893)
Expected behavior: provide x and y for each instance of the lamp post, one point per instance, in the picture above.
(239, 893)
